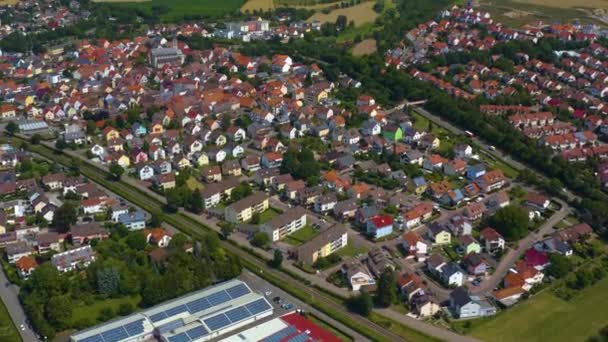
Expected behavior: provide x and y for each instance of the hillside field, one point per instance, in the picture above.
(519, 12)
(546, 317)
(177, 9)
(360, 14)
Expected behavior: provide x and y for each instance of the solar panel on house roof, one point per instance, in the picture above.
(237, 314)
(171, 326)
(158, 316)
(176, 310)
(303, 337)
(218, 298)
(179, 338)
(94, 338)
(198, 305)
(258, 306)
(115, 334)
(217, 322)
(238, 291)
(281, 334)
(135, 328)
(197, 332)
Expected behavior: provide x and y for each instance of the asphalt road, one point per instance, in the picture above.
(9, 295)
(509, 260)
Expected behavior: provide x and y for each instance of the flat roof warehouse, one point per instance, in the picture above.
(199, 316)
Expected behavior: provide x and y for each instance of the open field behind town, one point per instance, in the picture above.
(365, 47)
(361, 14)
(177, 9)
(519, 12)
(7, 2)
(8, 331)
(253, 5)
(548, 318)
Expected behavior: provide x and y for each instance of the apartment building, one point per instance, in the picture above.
(243, 210)
(288, 222)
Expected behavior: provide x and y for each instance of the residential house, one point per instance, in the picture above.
(325, 203)
(67, 261)
(379, 226)
(357, 276)
(244, 209)
(159, 237)
(25, 266)
(475, 171)
(286, 223)
(346, 209)
(492, 241)
(84, 233)
(439, 234)
(475, 264)
(409, 284)
(468, 245)
(452, 275)
(17, 250)
(536, 201)
(324, 244)
(414, 246)
(48, 242)
(133, 220)
(463, 305)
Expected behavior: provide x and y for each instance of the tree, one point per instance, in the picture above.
(108, 281)
(387, 288)
(511, 221)
(178, 241)
(260, 239)
(125, 309)
(560, 265)
(227, 229)
(341, 22)
(277, 259)
(64, 217)
(59, 311)
(136, 241)
(11, 128)
(116, 171)
(60, 144)
(241, 191)
(35, 139)
(196, 202)
(255, 218)
(361, 304)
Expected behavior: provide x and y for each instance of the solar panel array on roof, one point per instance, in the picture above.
(281, 334)
(119, 333)
(303, 337)
(203, 303)
(171, 326)
(237, 314)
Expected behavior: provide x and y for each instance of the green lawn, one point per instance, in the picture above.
(498, 164)
(194, 183)
(269, 214)
(177, 9)
(8, 331)
(548, 318)
(300, 236)
(351, 251)
(94, 309)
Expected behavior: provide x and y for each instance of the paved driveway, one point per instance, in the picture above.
(9, 295)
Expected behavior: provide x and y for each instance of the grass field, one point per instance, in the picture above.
(8, 331)
(177, 9)
(365, 47)
(269, 214)
(94, 309)
(351, 251)
(7, 2)
(519, 12)
(548, 318)
(301, 236)
(251, 5)
(360, 14)
(193, 183)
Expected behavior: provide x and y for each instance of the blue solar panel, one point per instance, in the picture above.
(158, 316)
(179, 338)
(94, 338)
(218, 298)
(303, 337)
(176, 310)
(115, 334)
(197, 332)
(238, 291)
(170, 326)
(258, 306)
(134, 328)
(217, 322)
(281, 334)
(198, 305)
(237, 314)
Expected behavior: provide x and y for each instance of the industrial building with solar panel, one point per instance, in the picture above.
(200, 316)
